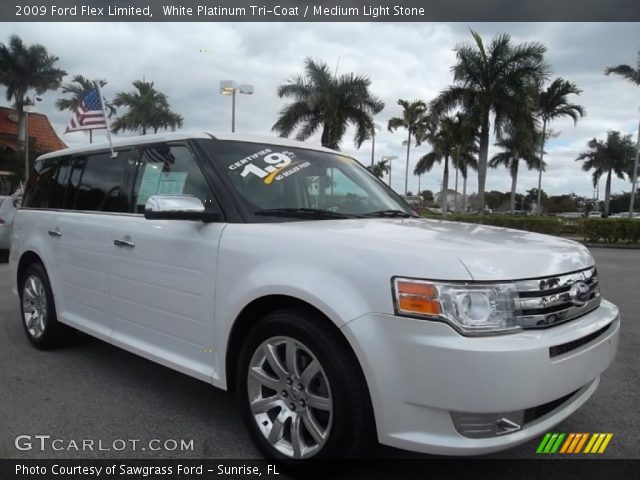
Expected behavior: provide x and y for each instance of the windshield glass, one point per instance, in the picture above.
(285, 182)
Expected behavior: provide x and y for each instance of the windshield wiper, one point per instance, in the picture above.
(312, 213)
(389, 214)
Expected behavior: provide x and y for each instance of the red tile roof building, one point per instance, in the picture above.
(42, 139)
(42, 136)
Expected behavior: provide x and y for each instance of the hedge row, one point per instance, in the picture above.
(592, 230)
(550, 225)
(610, 230)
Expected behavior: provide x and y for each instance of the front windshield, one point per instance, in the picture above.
(285, 182)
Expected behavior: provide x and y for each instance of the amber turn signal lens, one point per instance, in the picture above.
(417, 298)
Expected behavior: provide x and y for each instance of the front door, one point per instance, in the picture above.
(162, 272)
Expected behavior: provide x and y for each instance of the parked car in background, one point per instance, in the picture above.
(287, 272)
(7, 210)
(569, 215)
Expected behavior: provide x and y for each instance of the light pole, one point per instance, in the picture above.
(635, 175)
(389, 158)
(27, 109)
(229, 87)
(374, 129)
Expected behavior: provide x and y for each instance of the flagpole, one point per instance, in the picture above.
(106, 119)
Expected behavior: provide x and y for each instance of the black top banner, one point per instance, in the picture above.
(320, 11)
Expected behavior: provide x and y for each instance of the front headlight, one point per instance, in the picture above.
(472, 309)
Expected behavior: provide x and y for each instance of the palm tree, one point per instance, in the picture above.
(463, 134)
(518, 144)
(147, 109)
(633, 75)
(441, 134)
(23, 68)
(551, 104)
(493, 80)
(321, 99)
(465, 162)
(626, 71)
(615, 155)
(78, 88)
(412, 119)
(379, 168)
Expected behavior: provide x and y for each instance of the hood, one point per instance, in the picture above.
(446, 250)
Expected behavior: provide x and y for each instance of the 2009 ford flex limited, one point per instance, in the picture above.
(288, 273)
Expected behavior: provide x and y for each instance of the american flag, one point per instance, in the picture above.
(161, 154)
(89, 115)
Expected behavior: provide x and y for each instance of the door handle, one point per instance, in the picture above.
(55, 233)
(124, 243)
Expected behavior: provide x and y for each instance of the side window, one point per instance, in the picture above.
(333, 188)
(96, 183)
(46, 185)
(169, 170)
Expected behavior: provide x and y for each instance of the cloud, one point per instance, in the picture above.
(403, 60)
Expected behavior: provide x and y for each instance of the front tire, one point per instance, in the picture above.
(38, 310)
(303, 393)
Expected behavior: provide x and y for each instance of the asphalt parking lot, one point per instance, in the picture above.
(91, 390)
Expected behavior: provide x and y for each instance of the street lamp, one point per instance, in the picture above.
(374, 129)
(634, 175)
(27, 109)
(229, 87)
(389, 158)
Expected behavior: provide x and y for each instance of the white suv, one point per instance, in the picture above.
(289, 273)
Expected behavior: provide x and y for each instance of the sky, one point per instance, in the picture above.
(403, 60)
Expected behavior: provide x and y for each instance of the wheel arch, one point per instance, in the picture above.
(27, 258)
(251, 314)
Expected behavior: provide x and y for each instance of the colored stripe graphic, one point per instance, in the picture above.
(573, 443)
(567, 442)
(543, 443)
(556, 446)
(581, 443)
(606, 441)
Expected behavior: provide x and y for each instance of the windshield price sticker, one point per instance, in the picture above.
(274, 165)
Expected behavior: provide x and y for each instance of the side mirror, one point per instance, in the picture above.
(178, 207)
(17, 202)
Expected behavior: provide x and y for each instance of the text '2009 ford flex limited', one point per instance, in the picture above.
(290, 274)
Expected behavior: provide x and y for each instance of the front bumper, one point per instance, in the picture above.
(419, 371)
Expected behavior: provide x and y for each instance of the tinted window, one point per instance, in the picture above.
(95, 183)
(46, 185)
(268, 177)
(169, 170)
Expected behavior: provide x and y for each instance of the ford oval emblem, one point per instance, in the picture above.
(579, 293)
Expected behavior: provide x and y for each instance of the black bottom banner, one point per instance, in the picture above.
(547, 469)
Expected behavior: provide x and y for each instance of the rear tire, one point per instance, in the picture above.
(38, 310)
(302, 391)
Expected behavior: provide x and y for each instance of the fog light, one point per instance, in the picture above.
(486, 425)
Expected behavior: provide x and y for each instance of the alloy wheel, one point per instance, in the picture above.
(34, 306)
(290, 397)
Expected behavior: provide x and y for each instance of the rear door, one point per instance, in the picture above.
(161, 281)
(81, 232)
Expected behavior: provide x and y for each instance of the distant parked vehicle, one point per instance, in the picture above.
(569, 215)
(594, 215)
(7, 209)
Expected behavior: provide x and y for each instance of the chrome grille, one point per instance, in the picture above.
(549, 301)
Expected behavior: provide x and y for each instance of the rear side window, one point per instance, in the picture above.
(46, 185)
(96, 183)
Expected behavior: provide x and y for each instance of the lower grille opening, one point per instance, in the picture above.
(487, 425)
(567, 347)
